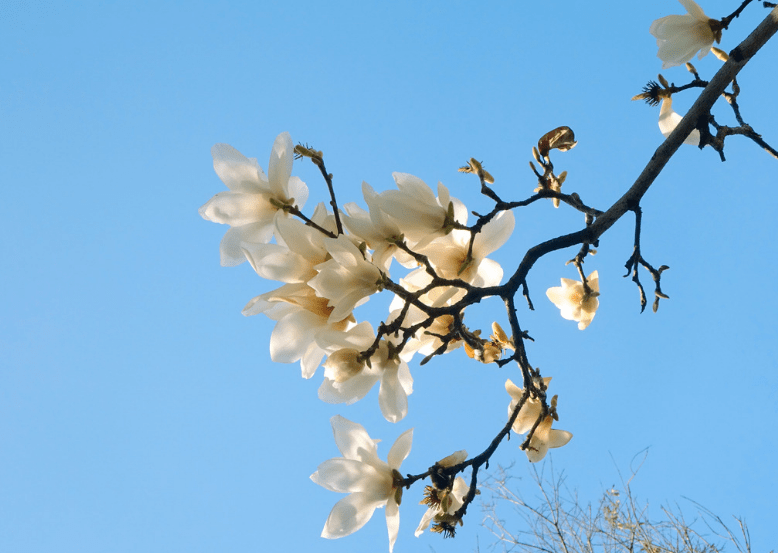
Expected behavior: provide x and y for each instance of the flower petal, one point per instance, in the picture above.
(392, 397)
(347, 475)
(400, 449)
(352, 440)
(392, 521)
(235, 170)
(349, 515)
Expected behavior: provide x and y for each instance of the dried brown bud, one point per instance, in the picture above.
(663, 81)
(561, 138)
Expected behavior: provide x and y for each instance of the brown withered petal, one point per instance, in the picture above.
(561, 138)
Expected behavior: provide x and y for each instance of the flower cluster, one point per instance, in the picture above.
(326, 274)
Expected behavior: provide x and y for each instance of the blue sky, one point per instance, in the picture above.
(139, 410)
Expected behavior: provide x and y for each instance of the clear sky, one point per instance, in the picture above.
(139, 410)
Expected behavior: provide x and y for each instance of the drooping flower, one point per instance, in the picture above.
(545, 438)
(576, 303)
(253, 200)
(669, 119)
(442, 505)
(680, 36)
(348, 378)
(370, 482)
(530, 411)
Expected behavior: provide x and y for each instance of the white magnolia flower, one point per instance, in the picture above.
(376, 229)
(449, 253)
(530, 411)
(419, 214)
(680, 36)
(574, 302)
(347, 280)
(300, 248)
(347, 379)
(669, 119)
(545, 438)
(248, 207)
(369, 481)
(302, 316)
(451, 501)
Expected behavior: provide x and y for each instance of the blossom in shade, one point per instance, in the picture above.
(530, 411)
(444, 505)
(347, 279)
(669, 119)
(348, 377)
(370, 482)
(679, 37)
(254, 200)
(575, 302)
(545, 438)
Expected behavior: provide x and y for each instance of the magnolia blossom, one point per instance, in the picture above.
(545, 438)
(348, 378)
(346, 280)
(530, 411)
(300, 248)
(575, 303)
(449, 254)
(253, 201)
(669, 119)
(379, 231)
(369, 481)
(418, 213)
(302, 316)
(680, 36)
(448, 504)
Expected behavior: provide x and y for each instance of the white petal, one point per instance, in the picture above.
(694, 9)
(347, 475)
(400, 449)
(494, 234)
(392, 397)
(558, 438)
(238, 172)
(350, 391)
(292, 335)
(236, 209)
(280, 167)
(349, 515)
(392, 521)
(353, 440)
